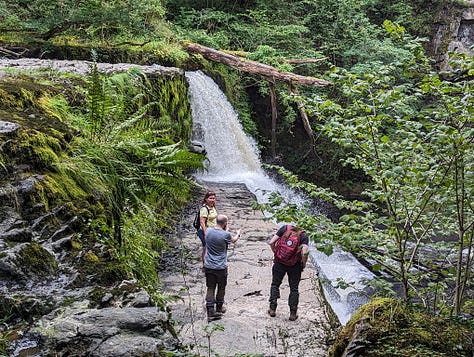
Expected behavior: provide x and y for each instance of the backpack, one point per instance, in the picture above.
(287, 249)
(197, 218)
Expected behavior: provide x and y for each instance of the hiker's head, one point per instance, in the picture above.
(209, 198)
(221, 221)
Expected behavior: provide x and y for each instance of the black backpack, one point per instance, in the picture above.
(197, 218)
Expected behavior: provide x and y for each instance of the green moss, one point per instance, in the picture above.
(20, 92)
(37, 260)
(76, 245)
(393, 329)
(91, 257)
(39, 148)
(59, 187)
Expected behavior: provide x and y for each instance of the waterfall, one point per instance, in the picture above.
(233, 157)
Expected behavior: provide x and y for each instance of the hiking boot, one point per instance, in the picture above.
(212, 315)
(271, 312)
(220, 308)
(216, 316)
(293, 316)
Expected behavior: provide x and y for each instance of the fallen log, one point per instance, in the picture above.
(269, 72)
(10, 53)
(304, 60)
(272, 75)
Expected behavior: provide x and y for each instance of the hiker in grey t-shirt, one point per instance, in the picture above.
(215, 263)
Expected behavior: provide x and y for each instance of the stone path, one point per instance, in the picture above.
(246, 328)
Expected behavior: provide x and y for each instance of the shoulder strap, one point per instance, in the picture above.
(287, 232)
(206, 208)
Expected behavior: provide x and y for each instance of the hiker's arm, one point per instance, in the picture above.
(236, 237)
(273, 241)
(304, 255)
(202, 222)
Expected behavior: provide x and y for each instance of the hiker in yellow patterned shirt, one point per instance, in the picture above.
(207, 219)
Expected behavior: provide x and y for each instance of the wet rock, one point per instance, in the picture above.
(129, 345)
(21, 235)
(10, 266)
(65, 230)
(84, 67)
(127, 331)
(197, 147)
(27, 186)
(7, 127)
(62, 244)
(139, 299)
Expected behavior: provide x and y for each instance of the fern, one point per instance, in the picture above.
(125, 156)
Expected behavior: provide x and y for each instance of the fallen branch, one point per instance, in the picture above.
(10, 53)
(254, 67)
(304, 60)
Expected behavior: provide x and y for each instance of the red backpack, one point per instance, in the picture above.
(287, 249)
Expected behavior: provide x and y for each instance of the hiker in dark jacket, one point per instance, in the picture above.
(290, 254)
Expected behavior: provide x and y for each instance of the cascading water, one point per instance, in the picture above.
(233, 157)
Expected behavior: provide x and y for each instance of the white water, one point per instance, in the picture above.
(233, 157)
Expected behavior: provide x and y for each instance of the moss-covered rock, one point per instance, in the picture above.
(389, 328)
(57, 229)
(37, 260)
(173, 109)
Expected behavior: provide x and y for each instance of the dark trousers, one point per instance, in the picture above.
(215, 279)
(294, 276)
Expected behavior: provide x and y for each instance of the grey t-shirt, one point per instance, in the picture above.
(216, 248)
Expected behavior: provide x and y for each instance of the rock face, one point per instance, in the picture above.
(453, 32)
(57, 297)
(81, 67)
(246, 328)
(111, 331)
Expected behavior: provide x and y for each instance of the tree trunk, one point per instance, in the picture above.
(274, 117)
(254, 67)
(306, 123)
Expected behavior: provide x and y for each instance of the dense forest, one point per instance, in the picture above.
(387, 140)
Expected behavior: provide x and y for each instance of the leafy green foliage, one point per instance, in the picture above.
(410, 131)
(125, 157)
(89, 19)
(347, 32)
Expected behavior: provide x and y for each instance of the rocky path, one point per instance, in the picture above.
(246, 328)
